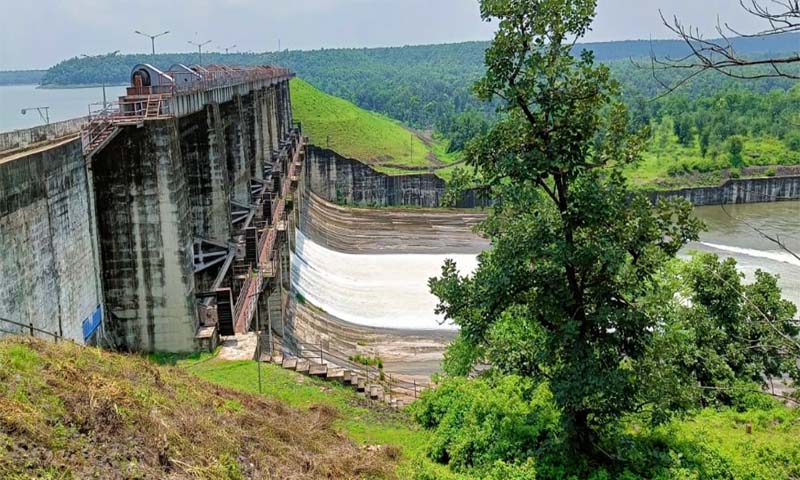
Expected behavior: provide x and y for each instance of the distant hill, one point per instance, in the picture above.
(21, 77)
(461, 57)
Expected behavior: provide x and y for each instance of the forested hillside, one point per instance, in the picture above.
(702, 132)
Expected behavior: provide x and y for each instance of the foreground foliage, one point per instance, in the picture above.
(559, 297)
(74, 412)
(581, 295)
(507, 425)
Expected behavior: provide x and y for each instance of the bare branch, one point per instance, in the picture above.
(721, 54)
(776, 239)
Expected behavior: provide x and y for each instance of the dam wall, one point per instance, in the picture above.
(735, 191)
(349, 182)
(157, 228)
(388, 230)
(49, 271)
(23, 138)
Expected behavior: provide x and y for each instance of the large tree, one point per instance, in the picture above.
(560, 296)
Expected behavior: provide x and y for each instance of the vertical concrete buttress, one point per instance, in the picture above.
(146, 235)
(266, 137)
(219, 216)
(258, 134)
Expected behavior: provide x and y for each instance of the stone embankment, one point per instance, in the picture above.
(371, 387)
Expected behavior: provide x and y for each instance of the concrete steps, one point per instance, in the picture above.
(345, 376)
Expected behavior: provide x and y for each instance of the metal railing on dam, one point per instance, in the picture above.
(180, 91)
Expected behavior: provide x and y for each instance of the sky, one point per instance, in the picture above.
(40, 33)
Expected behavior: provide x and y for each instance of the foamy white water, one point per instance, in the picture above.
(388, 290)
(777, 256)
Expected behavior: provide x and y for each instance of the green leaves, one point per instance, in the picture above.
(559, 298)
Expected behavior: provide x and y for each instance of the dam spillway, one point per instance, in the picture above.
(374, 290)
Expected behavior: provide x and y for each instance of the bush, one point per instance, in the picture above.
(770, 172)
(478, 423)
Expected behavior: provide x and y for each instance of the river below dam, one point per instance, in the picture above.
(390, 290)
(731, 234)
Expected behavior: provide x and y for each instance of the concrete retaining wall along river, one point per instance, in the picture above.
(734, 191)
(349, 182)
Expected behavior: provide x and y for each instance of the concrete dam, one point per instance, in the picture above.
(159, 222)
(192, 209)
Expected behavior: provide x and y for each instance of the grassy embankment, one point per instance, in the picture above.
(68, 412)
(375, 139)
(668, 165)
(72, 412)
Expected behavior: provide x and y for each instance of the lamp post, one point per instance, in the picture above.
(152, 39)
(103, 77)
(227, 48)
(44, 113)
(200, 49)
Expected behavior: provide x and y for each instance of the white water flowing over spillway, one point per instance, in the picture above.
(374, 290)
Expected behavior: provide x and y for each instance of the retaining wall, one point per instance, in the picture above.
(744, 190)
(349, 182)
(24, 138)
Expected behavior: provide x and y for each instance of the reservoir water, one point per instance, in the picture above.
(64, 103)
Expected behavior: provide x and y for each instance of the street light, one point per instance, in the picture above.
(227, 48)
(44, 113)
(152, 38)
(200, 49)
(103, 78)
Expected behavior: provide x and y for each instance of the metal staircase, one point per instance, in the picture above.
(106, 122)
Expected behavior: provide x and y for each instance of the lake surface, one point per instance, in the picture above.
(64, 103)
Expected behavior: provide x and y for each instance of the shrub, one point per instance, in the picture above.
(481, 422)
(770, 172)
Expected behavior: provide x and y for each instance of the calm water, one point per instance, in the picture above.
(64, 103)
(728, 236)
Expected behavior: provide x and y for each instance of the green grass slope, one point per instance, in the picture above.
(375, 139)
(355, 417)
(71, 412)
(68, 412)
(711, 445)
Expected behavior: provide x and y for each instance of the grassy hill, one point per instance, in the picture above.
(372, 138)
(68, 412)
(71, 412)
